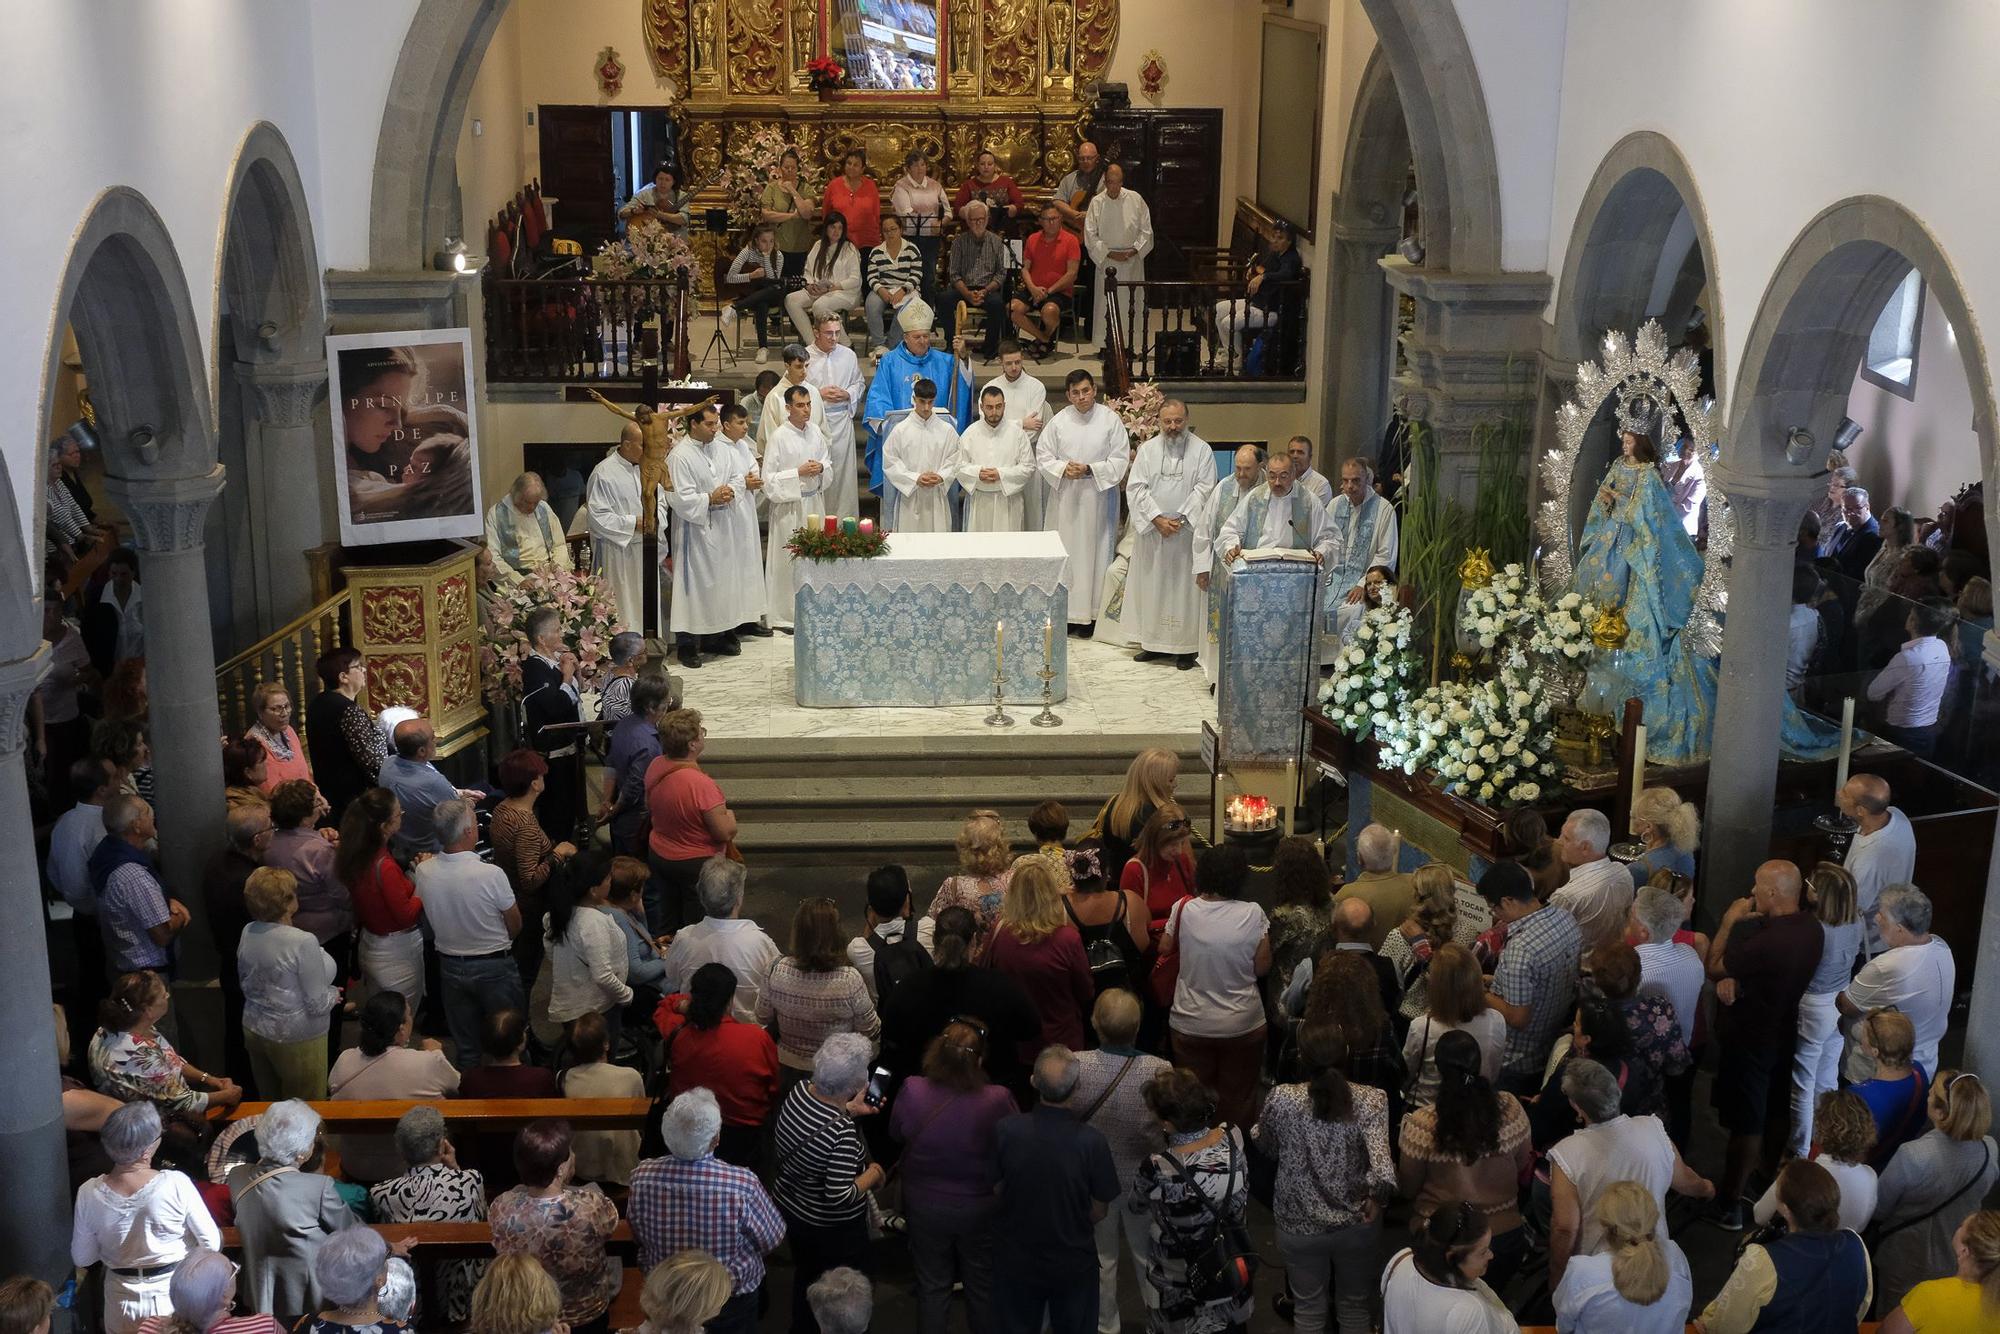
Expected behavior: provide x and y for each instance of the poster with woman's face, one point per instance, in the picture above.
(406, 450)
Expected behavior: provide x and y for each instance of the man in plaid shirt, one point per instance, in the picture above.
(1534, 983)
(691, 1198)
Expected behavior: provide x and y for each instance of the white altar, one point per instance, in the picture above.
(917, 624)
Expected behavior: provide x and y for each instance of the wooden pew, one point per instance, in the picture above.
(454, 1241)
(472, 1113)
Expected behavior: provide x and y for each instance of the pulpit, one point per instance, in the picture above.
(416, 626)
(1265, 671)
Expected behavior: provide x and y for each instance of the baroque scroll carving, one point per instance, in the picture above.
(756, 41)
(666, 27)
(1096, 34)
(1010, 47)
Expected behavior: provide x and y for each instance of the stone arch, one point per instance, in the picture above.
(1367, 222)
(415, 203)
(269, 377)
(1623, 229)
(1444, 107)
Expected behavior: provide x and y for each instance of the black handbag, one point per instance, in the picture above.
(1224, 1267)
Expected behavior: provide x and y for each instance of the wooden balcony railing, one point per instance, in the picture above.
(1169, 332)
(287, 656)
(581, 330)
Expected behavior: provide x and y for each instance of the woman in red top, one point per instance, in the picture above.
(691, 822)
(1034, 943)
(708, 1047)
(386, 906)
(1162, 867)
(854, 196)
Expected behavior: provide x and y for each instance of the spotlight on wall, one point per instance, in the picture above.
(452, 258)
(1849, 432)
(1798, 445)
(1411, 249)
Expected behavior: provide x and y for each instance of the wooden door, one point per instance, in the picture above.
(576, 171)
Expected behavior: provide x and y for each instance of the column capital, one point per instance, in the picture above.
(18, 680)
(1764, 509)
(168, 513)
(287, 392)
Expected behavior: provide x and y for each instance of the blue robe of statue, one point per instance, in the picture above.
(890, 390)
(1636, 556)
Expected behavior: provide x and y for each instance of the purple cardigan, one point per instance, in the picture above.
(948, 1139)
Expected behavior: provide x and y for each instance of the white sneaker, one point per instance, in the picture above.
(877, 354)
(763, 355)
(728, 317)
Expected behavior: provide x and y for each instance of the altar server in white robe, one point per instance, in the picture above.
(835, 372)
(1027, 408)
(1082, 455)
(1365, 535)
(611, 507)
(997, 466)
(1276, 515)
(1118, 232)
(797, 360)
(1220, 503)
(736, 430)
(1170, 482)
(920, 459)
(796, 478)
(718, 578)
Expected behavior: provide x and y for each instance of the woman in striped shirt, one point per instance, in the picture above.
(813, 993)
(823, 1173)
(895, 277)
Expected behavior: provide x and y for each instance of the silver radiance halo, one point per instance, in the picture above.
(1649, 385)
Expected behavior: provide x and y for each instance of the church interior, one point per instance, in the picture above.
(1330, 458)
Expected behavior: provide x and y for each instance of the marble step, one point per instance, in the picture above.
(810, 799)
(937, 759)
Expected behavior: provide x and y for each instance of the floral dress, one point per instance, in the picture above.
(567, 1233)
(435, 1193)
(143, 1069)
(1657, 1042)
(978, 894)
(1210, 1183)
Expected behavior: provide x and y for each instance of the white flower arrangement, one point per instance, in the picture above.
(1491, 740)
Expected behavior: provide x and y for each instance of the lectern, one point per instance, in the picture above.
(1265, 673)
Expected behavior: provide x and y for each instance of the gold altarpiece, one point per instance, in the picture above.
(1011, 77)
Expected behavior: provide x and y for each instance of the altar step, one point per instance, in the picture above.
(853, 802)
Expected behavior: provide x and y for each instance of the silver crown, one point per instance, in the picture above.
(1638, 410)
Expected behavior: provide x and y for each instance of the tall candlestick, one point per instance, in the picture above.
(999, 644)
(1048, 641)
(1638, 771)
(1846, 744)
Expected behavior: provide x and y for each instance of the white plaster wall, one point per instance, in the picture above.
(97, 93)
(498, 161)
(1916, 452)
(354, 45)
(1518, 48)
(1782, 109)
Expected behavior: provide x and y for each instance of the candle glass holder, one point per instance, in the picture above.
(1839, 830)
(999, 716)
(1047, 717)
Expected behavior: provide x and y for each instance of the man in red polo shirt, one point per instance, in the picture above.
(1048, 274)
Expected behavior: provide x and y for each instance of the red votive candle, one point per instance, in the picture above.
(832, 525)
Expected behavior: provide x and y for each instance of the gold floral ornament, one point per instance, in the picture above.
(1608, 631)
(1460, 663)
(1476, 570)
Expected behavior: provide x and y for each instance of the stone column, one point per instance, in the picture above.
(1360, 345)
(1743, 761)
(285, 464)
(167, 518)
(34, 1228)
(1982, 1040)
(1473, 359)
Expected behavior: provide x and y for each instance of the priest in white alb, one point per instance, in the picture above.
(1027, 407)
(834, 372)
(523, 532)
(798, 359)
(736, 432)
(1118, 232)
(1169, 485)
(1304, 476)
(795, 485)
(1220, 503)
(1082, 455)
(1364, 535)
(1276, 516)
(611, 506)
(920, 459)
(997, 466)
(718, 578)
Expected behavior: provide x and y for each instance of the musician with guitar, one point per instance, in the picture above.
(661, 204)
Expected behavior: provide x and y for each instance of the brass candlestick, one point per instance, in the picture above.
(1047, 717)
(998, 718)
(1599, 726)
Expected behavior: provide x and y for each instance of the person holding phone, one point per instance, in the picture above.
(824, 1172)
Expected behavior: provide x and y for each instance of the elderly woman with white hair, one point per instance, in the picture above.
(203, 1290)
(823, 1172)
(398, 1298)
(843, 1301)
(284, 1214)
(350, 1268)
(435, 1189)
(1670, 828)
(140, 1222)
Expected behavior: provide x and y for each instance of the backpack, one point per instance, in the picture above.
(897, 961)
(1109, 969)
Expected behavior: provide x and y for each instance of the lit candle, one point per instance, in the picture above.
(1048, 641)
(832, 525)
(999, 648)
(1638, 772)
(1846, 744)
(868, 528)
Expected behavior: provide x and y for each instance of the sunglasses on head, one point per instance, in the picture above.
(1174, 826)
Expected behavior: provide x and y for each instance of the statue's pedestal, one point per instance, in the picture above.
(415, 621)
